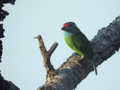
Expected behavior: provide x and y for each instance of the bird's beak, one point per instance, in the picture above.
(63, 28)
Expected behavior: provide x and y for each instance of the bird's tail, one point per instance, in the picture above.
(95, 69)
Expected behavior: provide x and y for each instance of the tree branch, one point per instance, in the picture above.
(70, 74)
(46, 56)
(52, 49)
(4, 84)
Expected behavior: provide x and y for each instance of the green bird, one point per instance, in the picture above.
(76, 40)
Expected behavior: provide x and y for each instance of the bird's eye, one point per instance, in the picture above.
(66, 25)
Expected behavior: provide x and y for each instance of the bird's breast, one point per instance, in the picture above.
(68, 40)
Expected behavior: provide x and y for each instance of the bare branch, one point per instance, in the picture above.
(46, 56)
(53, 47)
(42, 46)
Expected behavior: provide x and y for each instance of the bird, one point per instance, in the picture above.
(77, 41)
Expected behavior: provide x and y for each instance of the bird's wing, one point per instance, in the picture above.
(81, 42)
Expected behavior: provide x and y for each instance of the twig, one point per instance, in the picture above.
(53, 47)
(46, 56)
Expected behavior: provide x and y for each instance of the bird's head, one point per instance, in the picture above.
(69, 27)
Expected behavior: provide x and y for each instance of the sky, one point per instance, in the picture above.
(22, 61)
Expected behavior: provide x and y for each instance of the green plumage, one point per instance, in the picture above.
(80, 44)
(76, 40)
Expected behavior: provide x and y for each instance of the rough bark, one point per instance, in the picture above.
(70, 74)
(4, 84)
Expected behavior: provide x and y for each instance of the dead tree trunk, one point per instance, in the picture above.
(70, 74)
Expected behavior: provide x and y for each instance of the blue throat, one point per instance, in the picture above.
(67, 34)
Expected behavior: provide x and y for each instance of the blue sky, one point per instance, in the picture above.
(22, 61)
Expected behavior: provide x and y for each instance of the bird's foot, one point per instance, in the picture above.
(81, 57)
(78, 56)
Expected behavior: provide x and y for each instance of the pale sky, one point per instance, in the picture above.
(22, 61)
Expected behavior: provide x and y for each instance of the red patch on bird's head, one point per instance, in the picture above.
(66, 25)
